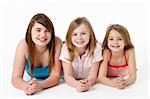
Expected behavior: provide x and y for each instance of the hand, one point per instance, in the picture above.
(83, 86)
(32, 87)
(120, 83)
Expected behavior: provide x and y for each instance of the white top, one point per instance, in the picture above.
(82, 65)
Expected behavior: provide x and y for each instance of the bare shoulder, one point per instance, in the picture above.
(106, 53)
(130, 52)
(58, 41)
(23, 47)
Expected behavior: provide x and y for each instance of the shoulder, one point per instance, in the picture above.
(58, 42)
(65, 47)
(23, 46)
(130, 52)
(98, 45)
(106, 53)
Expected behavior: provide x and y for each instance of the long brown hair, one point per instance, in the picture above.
(46, 22)
(75, 24)
(123, 32)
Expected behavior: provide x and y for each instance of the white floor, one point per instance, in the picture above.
(136, 91)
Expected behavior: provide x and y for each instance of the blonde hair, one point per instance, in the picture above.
(75, 24)
(123, 32)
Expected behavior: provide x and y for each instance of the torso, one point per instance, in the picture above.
(119, 68)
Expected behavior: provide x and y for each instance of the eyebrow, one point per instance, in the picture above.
(117, 37)
(37, 28)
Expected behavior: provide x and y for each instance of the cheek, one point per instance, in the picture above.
(73, 38)
(122, 43)
(33, 36)
(49, 37)
(86, 37)
(108, 43)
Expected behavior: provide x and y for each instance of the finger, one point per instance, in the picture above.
(32, 81)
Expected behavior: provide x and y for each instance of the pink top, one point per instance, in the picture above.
(119, 70)
(82, 65)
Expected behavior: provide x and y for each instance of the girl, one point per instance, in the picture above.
(119, 58)
(80, 55)
(38, 55)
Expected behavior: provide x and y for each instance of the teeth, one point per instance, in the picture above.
(42, 40)
(116, 46)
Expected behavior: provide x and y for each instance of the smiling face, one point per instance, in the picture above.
(40, 35)
(115, 41)
(81, 36)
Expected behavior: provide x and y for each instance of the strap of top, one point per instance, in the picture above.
(114, 66)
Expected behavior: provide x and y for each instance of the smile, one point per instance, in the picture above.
(42, 39)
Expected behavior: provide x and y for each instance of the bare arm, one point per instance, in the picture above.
(102, 77)
(132, 67)
(19, 66)
(68, 75)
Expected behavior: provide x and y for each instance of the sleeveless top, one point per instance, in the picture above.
(38, 72)
(119, 70)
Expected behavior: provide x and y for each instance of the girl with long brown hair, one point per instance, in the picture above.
(37, 55)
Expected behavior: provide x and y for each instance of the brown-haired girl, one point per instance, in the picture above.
(119, 58)
(37, 55)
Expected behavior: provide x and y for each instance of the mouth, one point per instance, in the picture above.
(42, 39)
(115, 46)
(80, 42)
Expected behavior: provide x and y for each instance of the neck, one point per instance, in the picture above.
(40, 50)
(80, 51)
(118, 54)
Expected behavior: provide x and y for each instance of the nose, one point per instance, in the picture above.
(116, 41)
(42, 34)
(80, 37)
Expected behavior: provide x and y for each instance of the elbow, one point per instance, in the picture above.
(56, 79)
(13, 81)
(134, 78)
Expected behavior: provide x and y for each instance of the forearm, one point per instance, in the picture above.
(19, 83)
(49, 82)
(107, 81)
(71, 81)
(130, 80)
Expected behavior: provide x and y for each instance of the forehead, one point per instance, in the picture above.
(114, 33)
(38, 25)
(82, 27)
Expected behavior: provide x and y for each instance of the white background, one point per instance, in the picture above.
(15, 16)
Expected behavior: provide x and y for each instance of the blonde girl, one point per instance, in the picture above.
(80, 55)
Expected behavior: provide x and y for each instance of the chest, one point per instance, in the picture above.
(83, 62)
(117, 61)
(41, 60)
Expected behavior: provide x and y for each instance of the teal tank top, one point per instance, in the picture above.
(38, 72)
